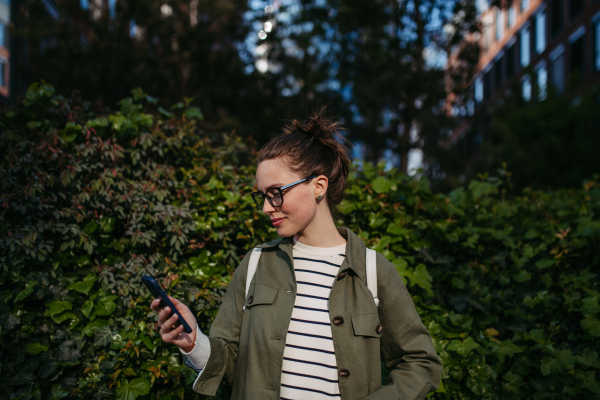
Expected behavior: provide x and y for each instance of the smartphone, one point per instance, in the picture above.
(157, 292)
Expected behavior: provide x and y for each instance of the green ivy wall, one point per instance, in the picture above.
(506, 282)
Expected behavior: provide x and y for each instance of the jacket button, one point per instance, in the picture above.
(344, 373)
(338, 321)
(250, 299)
(379, 329)
(342, 275)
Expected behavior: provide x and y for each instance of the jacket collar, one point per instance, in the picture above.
(355, 251)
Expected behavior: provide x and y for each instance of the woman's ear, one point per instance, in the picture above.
(320, 185)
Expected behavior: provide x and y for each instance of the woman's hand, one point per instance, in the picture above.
(168, 332)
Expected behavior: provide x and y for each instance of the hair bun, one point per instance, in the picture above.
(317, 125)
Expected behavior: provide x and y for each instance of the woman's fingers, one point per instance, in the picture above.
(155, 305)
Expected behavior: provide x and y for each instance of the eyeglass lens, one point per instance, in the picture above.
(274, 197)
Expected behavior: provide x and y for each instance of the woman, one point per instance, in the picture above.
(308, 327)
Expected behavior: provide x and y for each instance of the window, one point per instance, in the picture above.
(511, 60)
(498, 73)
(526, 88)
(576, 53)
(597, 44)
(557, 68)
(2, 35)
(542, 81)
(511, 17)
(575, 8)
(478, 89)
(525, 41)
(556, 17)
(524, 5)
(499, 24)
(487, 84)
(3, 72)
(540, 32)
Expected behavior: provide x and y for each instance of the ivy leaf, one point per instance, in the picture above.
(83, 287)
(588, 358)
(36, 348)
(102, 392)
(68, 351)
(591, 325)
(26, 292)
(87, 308)
(131, 390)
(63, 317)
(382, 185)
(549, 365)
(57, 306)
(49, 364)
(102, 336)
(106, 306)
(94, 326)
(505, 348)
(463, 348)
(58, 392)
(193, 112)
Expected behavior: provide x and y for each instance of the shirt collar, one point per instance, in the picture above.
(355, 251)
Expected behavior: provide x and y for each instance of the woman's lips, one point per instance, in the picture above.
(277, 221)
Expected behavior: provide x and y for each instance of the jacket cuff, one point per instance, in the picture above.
(211, 376)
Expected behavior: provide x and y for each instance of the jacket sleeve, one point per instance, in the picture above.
(406, 346)
(224, 335)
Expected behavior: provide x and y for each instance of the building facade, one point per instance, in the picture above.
(541, 44)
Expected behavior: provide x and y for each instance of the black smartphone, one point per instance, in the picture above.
(157, 292)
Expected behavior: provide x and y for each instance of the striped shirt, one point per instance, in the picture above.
(309, 368)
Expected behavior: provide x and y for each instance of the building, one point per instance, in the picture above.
(541, 45)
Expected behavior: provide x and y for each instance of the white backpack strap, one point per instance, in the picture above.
(372, 274)
(254, 257)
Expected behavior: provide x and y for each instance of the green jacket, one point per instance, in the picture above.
(247, 346)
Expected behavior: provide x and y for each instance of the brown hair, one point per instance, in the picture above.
(314, 147)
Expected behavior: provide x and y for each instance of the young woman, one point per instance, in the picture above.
(309, 327)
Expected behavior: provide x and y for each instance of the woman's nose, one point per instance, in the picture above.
(267, 207)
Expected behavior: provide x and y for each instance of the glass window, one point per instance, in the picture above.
(525, 41)
(2, 35)
(524, 5)
(512, 16)
(557, 69)
(575, 8)
(540, 32)
(597, 44)
(542, 82)
(511, 61)
(487, 85)
(499, 24)
(498, 74)
(526, 88)
(576, 56)
(556, 17)
(3, 72)
(478, 89)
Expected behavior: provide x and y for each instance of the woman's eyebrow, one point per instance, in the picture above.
(272, 186)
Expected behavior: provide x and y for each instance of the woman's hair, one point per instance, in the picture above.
(314, 147)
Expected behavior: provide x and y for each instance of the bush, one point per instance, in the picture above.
(92, 201)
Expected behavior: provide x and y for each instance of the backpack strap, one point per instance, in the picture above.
(372, 274)
(254, 257)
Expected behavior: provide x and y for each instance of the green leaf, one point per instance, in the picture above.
(87, 308)
(36, 348)
(26, 292)
(57, 306)
(94, 326)
(549, 365)
(103, 336)
(83, 287)
(481, 189)
(396, 230)
(382, 185)
(107, 224)
(588, 358)
(505, 348)
(591, 324)
(106, 306)
(131, 390)
(91, 227)
(165, 113)
(102, 392)
(193, 112)
(463, 348)
(34, 124)
(58, 392)
(543, 264)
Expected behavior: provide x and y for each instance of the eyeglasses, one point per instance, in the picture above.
(275, 195)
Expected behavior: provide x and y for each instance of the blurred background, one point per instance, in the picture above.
(450, 89)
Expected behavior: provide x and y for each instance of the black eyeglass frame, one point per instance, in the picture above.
(280, 189)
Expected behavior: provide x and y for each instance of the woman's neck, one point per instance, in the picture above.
(321, 232)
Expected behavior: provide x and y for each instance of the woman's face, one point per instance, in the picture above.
(299, 205)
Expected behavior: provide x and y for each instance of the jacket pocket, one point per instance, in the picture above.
(367, 325)
(261, 295)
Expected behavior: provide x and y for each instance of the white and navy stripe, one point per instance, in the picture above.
(309, 367)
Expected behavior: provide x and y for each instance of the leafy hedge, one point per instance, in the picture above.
(506, 282)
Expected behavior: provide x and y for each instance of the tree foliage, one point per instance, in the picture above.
(506, 282)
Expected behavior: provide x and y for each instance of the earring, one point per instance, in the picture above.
(319, 197)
